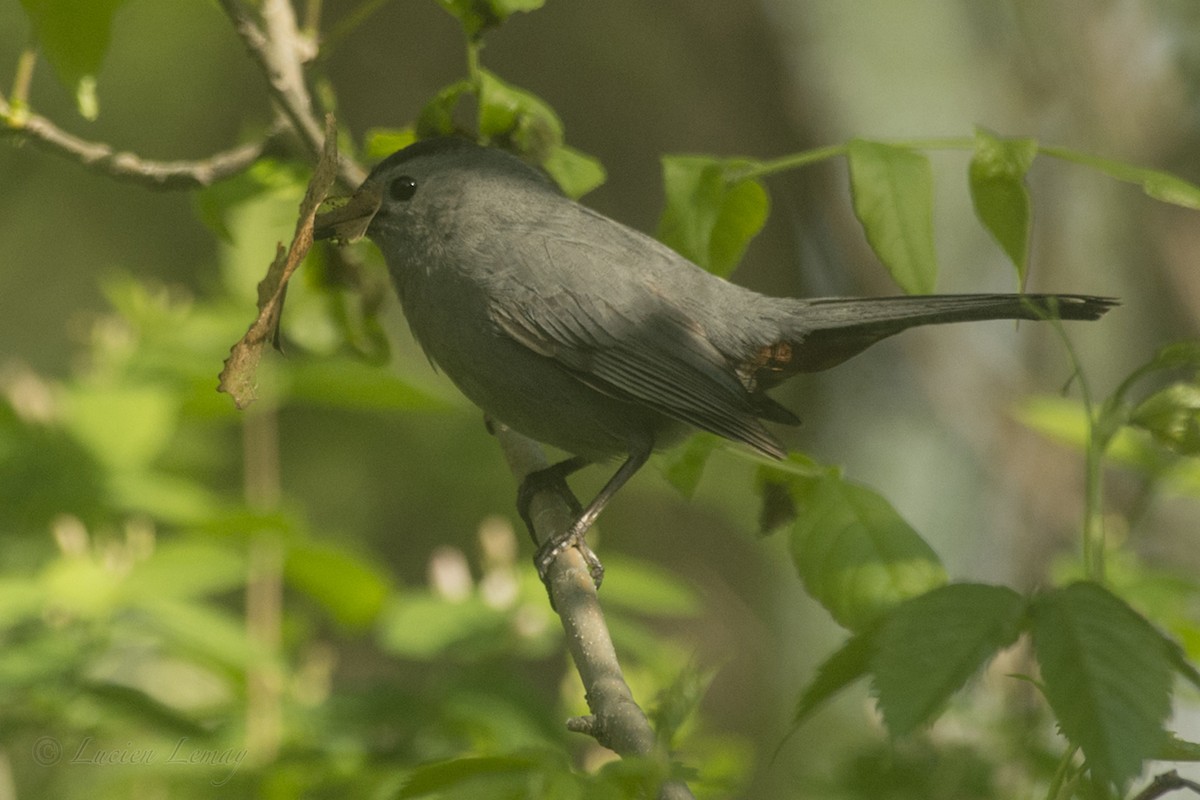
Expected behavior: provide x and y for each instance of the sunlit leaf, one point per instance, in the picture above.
(1172, 415)
(928, 647)
(855, 554)
(999, 194)
(711, 214)
(892, 191)
(125, 427)
(576, 173)
(1107, 676)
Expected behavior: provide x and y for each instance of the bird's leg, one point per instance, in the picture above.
(554, 479)
(574, 535)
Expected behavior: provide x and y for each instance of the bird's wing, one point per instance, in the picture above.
(642, 352)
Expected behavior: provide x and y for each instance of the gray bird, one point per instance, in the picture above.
(582, 333)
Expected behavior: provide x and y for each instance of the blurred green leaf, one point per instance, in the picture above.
(516, 120)
(210, 633)
(187, 569)
(1107, 676)
(1177, 749)
(928, 647)
(50, 470)
(508, 114)
(125, 427)
(1172, 415)
(998, 191)
(350, 589)
(479, 16)
(645, 589)
(849, 663)
(684, 466)
(350, 384)
(678, 702)
(126, 702)
(576, 173)
(855, 554)
(437, 116)
(74, 35)
(382, 142)
(1160, 185)
(711, 214)
(445, 775)
(20, 599)
(421, 625)
(892, 191)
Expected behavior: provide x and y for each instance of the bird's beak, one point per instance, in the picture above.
(345, 219)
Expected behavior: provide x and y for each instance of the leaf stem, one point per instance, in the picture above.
(1061, 773)
(23, 78)
(1099, 433)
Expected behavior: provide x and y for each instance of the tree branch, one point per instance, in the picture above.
(126, 166)
(616, 721)
(281, 51)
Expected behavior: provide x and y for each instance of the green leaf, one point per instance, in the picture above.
(1157, 184)
(350, 384)
(479, 16)
(74, 36)
(1106, 673)
(437, 116)
(1177, 749)
(851, 662)
(855, 554)
(892, 192)
(125, 427)
(645, 589)
(421, 625)
(711, 214)
(999, 194)
(448, 774)
(1172, 415)
(576, 173)
(183, 569)
(928, 647)
(684, 466)
(352, 590)
(510, 115)
(382, 142)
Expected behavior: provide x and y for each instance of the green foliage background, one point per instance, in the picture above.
(139, 513)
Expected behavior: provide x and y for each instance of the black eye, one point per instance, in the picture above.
(403, 188)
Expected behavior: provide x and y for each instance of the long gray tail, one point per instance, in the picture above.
(825, 332)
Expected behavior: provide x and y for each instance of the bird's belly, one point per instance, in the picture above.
(538, 397)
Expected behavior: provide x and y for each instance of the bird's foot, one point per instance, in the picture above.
(550, 479)
(553, 547)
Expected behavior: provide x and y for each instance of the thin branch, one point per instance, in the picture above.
(126, 166)
(281, 51)
(616, 721)
(1165, 783)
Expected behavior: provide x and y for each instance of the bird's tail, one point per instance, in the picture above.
(821, 333)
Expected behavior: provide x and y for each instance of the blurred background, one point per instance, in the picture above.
(926, 419)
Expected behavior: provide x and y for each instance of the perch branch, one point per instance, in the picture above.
(616, 721)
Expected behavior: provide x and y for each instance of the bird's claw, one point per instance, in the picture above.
(548, 552)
